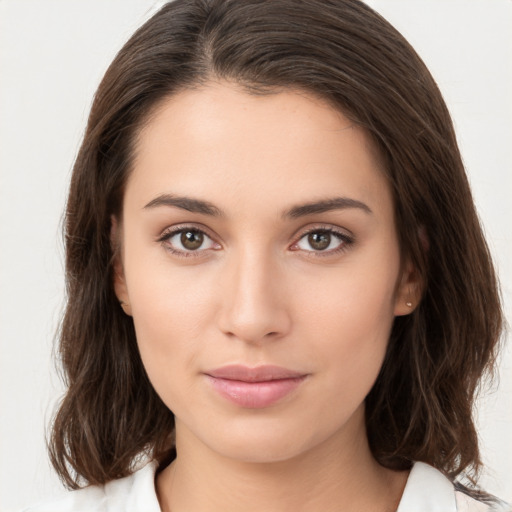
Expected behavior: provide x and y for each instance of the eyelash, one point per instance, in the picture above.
(346, 241)
(171, 232)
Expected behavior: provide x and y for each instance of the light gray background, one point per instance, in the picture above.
(52, 56)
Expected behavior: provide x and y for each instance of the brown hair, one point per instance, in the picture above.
(420, 408)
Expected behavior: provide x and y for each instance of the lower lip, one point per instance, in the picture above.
(254, 395)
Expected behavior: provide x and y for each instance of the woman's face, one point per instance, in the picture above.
(261, 266)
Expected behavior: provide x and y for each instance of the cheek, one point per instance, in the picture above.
(351, 301)
(172, 308)
(351, 316)
(168, 327)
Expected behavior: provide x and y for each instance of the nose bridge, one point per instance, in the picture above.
(254, 304)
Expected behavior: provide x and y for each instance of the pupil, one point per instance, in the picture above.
(191, 239)
(319, 240)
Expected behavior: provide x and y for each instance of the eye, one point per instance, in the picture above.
(187, 241)
(324, 241)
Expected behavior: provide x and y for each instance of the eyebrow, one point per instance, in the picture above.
(326, 205)
(185, 203)
(206, 208)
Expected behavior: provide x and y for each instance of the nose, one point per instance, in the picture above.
(254, 300)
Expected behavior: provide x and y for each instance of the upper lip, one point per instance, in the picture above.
(262, 373)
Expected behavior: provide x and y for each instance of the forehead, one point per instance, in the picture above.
(224, 145)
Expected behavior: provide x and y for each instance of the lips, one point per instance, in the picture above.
(254, 388)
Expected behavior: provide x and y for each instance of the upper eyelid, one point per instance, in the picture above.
(172, 230)
(343, 237)
(322, 227)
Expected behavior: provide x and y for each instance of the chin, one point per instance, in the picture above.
(264, 442)
(261, 452)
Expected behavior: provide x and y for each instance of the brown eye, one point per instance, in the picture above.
(323, 241)
(188, 241)
(191, 240)
(319, 240)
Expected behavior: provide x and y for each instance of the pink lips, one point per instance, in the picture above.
(254, 388)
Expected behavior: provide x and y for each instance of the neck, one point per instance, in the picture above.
(332, 474)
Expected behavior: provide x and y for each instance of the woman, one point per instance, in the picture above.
(269, 236)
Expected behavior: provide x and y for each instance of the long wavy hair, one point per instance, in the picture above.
(420, 408)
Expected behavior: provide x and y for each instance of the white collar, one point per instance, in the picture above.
(428, 490)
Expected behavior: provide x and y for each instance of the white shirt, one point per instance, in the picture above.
(427, 490)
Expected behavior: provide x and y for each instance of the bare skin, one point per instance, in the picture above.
(259, 230)
(324, 479)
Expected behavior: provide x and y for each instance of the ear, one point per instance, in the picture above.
(120, 287)
(409, 290)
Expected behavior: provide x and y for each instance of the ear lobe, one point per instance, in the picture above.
(120, 287)
(409, 291)
(121, 290)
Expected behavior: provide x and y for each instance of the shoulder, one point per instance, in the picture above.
(428, 490)
(134, 493)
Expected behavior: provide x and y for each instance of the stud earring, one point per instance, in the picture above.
(408, 304)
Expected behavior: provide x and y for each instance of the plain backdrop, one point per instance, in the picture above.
(52, 56)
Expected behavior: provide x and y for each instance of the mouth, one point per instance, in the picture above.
(254, 388)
